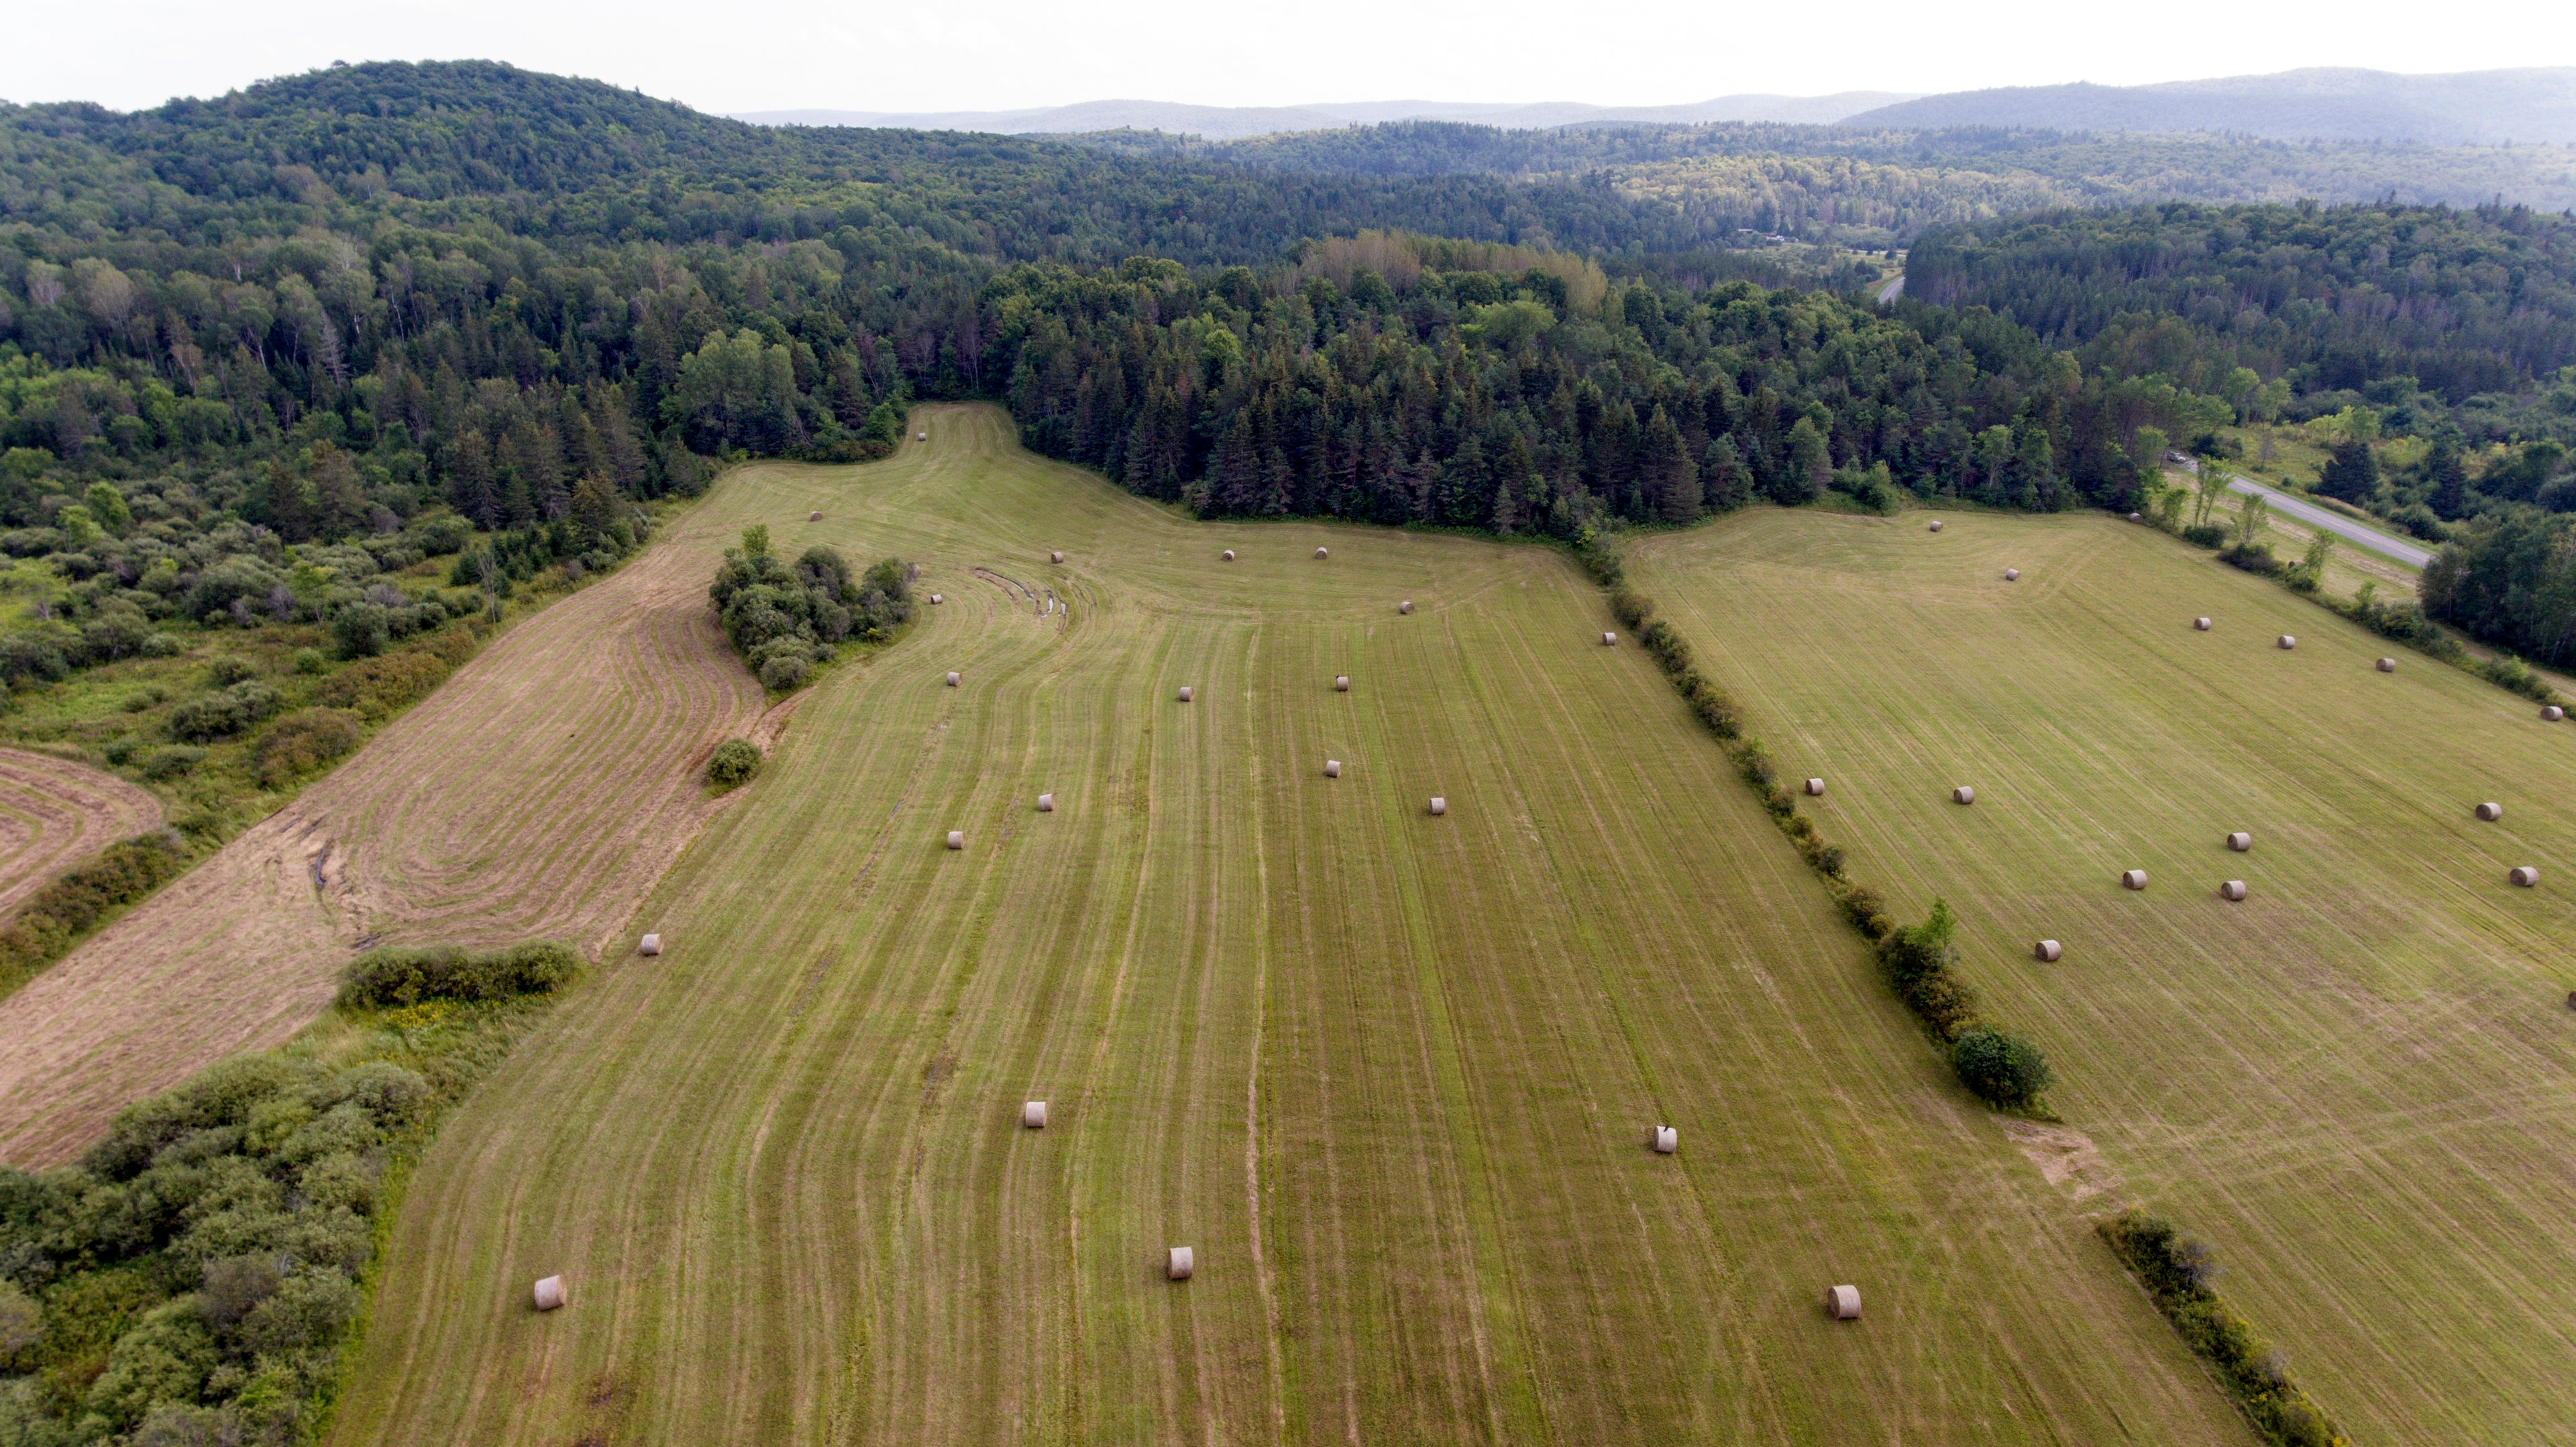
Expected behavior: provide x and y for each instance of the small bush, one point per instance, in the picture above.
(171, 760)
(785, 672)
(302, 742)
(211, 716)
(2253, 558)
(2000, 1066)
(224, 670)
(378, 687)
(162, 645)
(311, 661)
(361, 629)
(2207, 535)
(733, 763)
(406, 977)
(1631, 609)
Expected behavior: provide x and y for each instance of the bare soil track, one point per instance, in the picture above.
(54, 813)
(540, 791)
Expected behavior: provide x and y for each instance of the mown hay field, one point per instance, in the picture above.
(2359, 1083)
(54, 813)
(540, 791)
(1389, 1076)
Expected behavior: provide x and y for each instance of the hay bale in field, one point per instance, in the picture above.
(2288, 642)
(1055, 557)
(2388, 665)
(1033, 1115)
(1963, 795)
(550, 1293)
(1341, 683)
(2571, 999)
(1815, 788)
(935, 598)
(2048, 950)
(651, 945)
(1185, 693)
(2490, 811)
(1332, 768)
(921, 437)
(2552, 714)
(2133, 517)
(1609, 640)
(2233, 889)
(1323, 552)
(2240, 841)
(2012, 575)
(1665, 1140)
(1180, 1263)
(2525, 875)
(2133, 879)
(1843, 1302)
(952, 678)
(1227, 555)
(2200, 623)
(1439, 805)
(813, 517)
(1046, 803)
(1404, 607)
(956, 838)
(1936, 525)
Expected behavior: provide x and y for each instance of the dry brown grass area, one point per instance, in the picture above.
(541, 790)
(54, 813)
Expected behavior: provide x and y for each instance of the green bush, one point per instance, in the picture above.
(1631, 609)
(408, 976)
(171, 760)
(210, 716)
(302, 742)
(1918, 963)
(224, 670)
(2000, 1066)
(733, 763)
(311, 660)
(361, 629)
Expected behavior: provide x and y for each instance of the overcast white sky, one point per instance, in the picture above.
(1006, 54)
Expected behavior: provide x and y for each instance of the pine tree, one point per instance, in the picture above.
(1669, 477)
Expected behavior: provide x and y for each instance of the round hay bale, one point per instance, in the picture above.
(1055, 557)
(550, 1293)
(2552, 714)
(935, 598)
(921, 437)
(2133, 517)
(1332, 768)
(1404, 607)
(1227, 555)
(2388, 665)
(1323, 553)
(2240, 841)
(813, 517)
(1033, 1115)
(2048, 950)
(952, 678)
(1180, 1263)
(2233, 889)
(2133, 879)
(1963, 795)
(2200, 623)
(1665, 1140)
(1341, 683)
(1439, 805)
(1609, 640)
(956, 838)
(1815, 788)
(1046, 803)
(1936, 525)
(2525, 875)
(651, 945)
(2491, 811)
(1185, 693)
(2288, 642)
(2012, 575)
(2571, 999)
(1842, 1303)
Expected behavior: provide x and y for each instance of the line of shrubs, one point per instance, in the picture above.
(57, 915)
(1921, 963)
(194, 1278)
(2176, 1271)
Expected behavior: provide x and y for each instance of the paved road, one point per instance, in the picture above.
(2334, 522)
(1892, 290)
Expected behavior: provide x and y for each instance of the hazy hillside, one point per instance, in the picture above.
(1234, 122)
(2487, 107)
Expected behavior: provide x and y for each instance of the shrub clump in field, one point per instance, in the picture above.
(52, 919)
(211, 716)
(302, 742)
(2177, 1272)
(2000, 1066)
(1920, 963)
(376, 688)
(406, 977)
(733, 763)
(783, 620)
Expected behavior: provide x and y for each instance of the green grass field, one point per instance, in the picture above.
(1389, 1075)
(2361, 1082)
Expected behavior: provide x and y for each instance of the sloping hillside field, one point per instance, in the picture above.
(1389, 1075)
(2360, 1082)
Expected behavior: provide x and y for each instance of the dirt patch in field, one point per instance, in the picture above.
(540, 792)
(55, 813)
(2068, 1159)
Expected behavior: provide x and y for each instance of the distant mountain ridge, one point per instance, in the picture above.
(1226, 123)
(2473, 108)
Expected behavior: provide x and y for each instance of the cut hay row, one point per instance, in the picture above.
(54, 813)
(1382, 1078)
(2310, 1077)
(540, 791)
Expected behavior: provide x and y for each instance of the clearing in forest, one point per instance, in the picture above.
(2360, 1082)
(1390, 1076)
(54, 813)
(538, 792)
